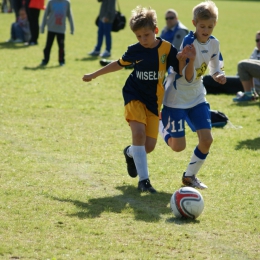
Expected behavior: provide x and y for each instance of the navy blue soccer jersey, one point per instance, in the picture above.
(145, 83)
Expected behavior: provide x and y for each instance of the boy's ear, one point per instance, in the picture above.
(156, 30)
(194, 23)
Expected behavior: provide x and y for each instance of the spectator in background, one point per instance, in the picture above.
(17, 5)
(106, 18)
(55, 18)
(174, 31)
(20, 30)
(7, 6)
(34, 8)
(249, 74)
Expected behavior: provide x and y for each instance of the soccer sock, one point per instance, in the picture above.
(129, 151)
(248, 93)
(140, 159)
(164, 134)
(197, 159)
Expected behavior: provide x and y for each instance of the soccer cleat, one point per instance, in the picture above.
(131, 169)
(105, 54)
(243, 98)
(94, 53)
(145, 185)
(104, 62)
(193, 181)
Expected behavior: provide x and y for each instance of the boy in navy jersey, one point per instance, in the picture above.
(143, 90)
(185, 100)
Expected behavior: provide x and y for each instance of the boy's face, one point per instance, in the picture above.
(146, 37)
(204, 29)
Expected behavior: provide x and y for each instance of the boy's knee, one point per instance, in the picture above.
(177, 148)
(207, 142)
(149, 149)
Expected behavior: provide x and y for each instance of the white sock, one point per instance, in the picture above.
(164, 134)
(195, 162)
(129, 151)
(140, 159)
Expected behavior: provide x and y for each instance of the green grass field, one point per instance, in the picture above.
(65, 192)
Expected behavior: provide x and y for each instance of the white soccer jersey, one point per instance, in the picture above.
(182, 94)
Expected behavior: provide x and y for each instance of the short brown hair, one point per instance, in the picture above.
(143, 17)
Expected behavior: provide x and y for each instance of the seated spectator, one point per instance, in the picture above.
(174, 31)
(20, 30)
(249, 74)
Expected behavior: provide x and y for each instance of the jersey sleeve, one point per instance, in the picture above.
(128, 58)
(172, 60)
(216, 63)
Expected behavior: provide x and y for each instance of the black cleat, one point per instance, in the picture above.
(145, 185)
(131, 169)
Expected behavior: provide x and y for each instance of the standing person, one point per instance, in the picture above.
(55, 18)
(174, 31)
(106, 18)
(17, 5)
(20, 30)
(249, 74)
(185, 100)
(34, 8)
(143, 90)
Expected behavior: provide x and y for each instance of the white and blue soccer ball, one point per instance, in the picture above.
(187, 202)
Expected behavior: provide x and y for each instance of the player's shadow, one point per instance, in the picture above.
(247, 104)
(90, 58)
(252, 144)
(9, 45)
(145, 207)
(38, 67)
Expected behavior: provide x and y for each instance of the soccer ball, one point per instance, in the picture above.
(187, 202)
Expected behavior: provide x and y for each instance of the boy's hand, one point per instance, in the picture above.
(88, 77)
(189, 52)
(220, 78)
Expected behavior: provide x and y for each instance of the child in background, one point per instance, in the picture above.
(55, 18)
(20, 30)
(143, 90)
(185, 100)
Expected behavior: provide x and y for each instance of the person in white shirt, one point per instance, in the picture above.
(184, 98)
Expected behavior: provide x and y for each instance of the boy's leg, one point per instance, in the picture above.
(200, 118)
(136, 115)
(140, 156)
(173, 124)
(61, 45)
(47, 49)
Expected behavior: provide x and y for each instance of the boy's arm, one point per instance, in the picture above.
(111, 67)
(189, 52)
(44, 19)
(70, 17)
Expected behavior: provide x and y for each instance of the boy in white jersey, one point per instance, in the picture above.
(184, 98)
